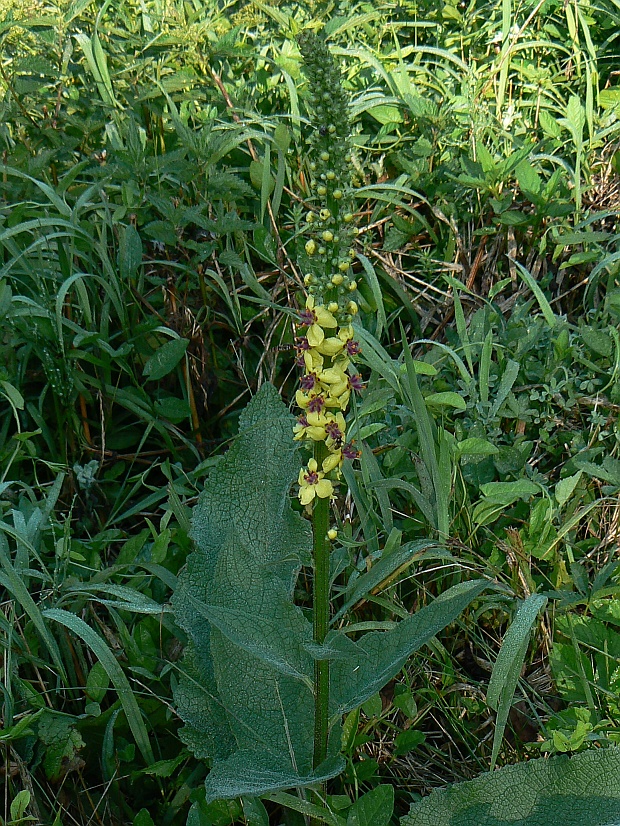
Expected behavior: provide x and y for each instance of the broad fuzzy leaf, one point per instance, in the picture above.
(583, 789)
(246, 695)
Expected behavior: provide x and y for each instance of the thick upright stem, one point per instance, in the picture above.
(320, 526)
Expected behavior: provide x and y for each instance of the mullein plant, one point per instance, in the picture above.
(262, 691)
(326, 346)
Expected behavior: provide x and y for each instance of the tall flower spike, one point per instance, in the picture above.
(330, 229)
(326, 351)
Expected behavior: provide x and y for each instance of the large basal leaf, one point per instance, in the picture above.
(583, 790)
(246, 691)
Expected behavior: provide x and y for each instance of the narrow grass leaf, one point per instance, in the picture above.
(116, 674)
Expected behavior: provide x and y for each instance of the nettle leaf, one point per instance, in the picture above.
(246, 692)
(571, 791)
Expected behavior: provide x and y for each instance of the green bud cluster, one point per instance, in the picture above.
(329, 230)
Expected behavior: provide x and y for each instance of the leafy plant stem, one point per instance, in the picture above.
(320, 526)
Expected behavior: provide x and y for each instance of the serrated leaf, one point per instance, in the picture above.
(165, 359)
(582, 789)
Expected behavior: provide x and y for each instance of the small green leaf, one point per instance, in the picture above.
(143, 818)
(408, 740)
(12, 394)
(97, 683)
(374, 808)
(19, 804)
(475, 446)
(165, 359)
(373, 706)
(282, 137)
(449, 398)
(565, 487)
(506, 493)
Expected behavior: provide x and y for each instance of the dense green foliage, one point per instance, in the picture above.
(154, 191)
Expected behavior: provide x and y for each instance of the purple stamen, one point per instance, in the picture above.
(316, 404)
(334, 433)
(350, 452)
(355, 383)
(309, 381)
(306, 318)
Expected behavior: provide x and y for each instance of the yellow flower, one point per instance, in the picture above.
(337, 380)
(316, 318)
(313, 361)
(311, 426)
(312, 483)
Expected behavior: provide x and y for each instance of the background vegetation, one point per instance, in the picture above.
(152, 187)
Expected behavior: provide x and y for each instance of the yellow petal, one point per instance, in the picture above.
(315, 335)
(332, 461)
(312, 466)
(324, 488)
(302, 399)
(306, 495)
(324, 317)
(330, 346)
(332, 376)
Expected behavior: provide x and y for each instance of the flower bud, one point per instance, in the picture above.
(348, 218)
(327, 236)
(332, 533)
(337, 279)
(343, 266)
(310, 217)
(333, 307)
(310, 247)
(337, 193)
(325, 215)
(325, 156)
(352, 307)
(330, 175)
(353, 286)
(321, 190)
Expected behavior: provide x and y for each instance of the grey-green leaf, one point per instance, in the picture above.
(560, 791)
(246, 692)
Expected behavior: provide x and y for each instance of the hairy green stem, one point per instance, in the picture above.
(320, 526)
